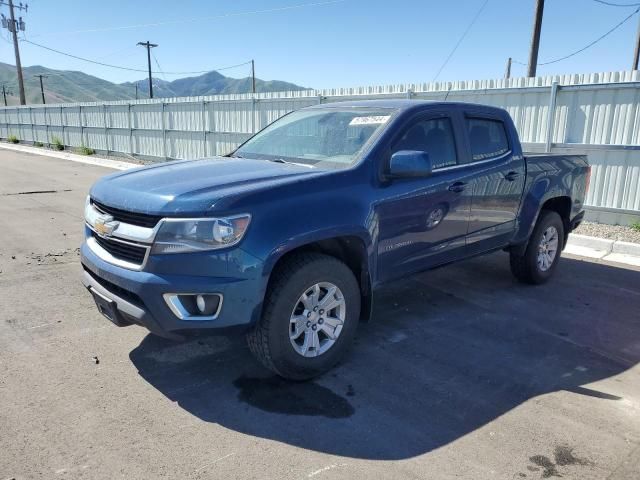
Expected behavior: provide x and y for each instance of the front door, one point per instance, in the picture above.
(422, 222)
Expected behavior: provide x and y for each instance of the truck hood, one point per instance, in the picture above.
(192, 187)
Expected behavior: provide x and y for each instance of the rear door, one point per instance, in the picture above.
(423, 221)
(498, 176)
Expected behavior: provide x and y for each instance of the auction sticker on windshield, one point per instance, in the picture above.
(370, 120)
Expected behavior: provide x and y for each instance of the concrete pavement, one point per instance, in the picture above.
(463, 373)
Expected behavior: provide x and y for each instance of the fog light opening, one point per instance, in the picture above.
(201, 304)
(206, 304)
(194, 306)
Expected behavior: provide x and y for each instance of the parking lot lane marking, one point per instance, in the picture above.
(324, 469)
(398, 337)
(214, 462)
(631, 292)
(40, 326)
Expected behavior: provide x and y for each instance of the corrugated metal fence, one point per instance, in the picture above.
(597, 114)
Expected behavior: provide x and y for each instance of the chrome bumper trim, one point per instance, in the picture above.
(107, 257)
(174, 304)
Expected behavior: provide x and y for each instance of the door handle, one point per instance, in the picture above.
(511, 176)
(457, 187)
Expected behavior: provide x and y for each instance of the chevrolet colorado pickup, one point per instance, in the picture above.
(287, 238)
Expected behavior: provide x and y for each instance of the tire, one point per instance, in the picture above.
(526, 267)
(270, 339)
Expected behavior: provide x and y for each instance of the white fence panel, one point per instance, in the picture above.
(185, 145)
(118, 116)
(120, 141)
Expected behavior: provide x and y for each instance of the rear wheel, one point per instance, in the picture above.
(542, 254)
(310, 316)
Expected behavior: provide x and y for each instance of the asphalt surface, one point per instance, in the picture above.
(463, 373)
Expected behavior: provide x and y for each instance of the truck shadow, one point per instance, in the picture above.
(448, 352)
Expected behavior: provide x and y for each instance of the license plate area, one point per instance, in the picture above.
(106, 307)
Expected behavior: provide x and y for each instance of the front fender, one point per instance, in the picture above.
(308, 238)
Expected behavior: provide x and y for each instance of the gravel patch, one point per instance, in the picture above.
(611, 232)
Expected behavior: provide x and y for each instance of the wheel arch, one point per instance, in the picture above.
(354, 250)
(561, 204)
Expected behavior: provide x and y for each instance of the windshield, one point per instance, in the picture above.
(328, 138)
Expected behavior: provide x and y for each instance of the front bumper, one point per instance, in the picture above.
(137, 296)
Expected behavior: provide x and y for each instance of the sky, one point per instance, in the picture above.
(322, 44)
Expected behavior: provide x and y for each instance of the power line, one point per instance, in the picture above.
(602, 37)
(158, 65)
(460, 40)
(118, 52)
(611, 4)
(205, 18)
(128, 68)
(589, 45)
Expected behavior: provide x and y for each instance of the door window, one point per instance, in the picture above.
(433, 136)
(488, 138)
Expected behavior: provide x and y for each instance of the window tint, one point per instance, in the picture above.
(488, 138)
(432, 136)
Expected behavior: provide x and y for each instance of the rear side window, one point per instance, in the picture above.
(488, 138)
(433, 136)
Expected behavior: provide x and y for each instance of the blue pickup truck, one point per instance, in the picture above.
(287, 238)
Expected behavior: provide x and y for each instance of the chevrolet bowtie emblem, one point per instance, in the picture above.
(105, 225)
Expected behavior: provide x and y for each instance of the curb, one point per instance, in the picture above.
(100, 162)
(604, 249)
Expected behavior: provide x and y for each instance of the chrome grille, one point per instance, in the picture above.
(133, 218)
(121, 250)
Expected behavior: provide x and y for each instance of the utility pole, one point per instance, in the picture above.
(636, 54)
(535, 39)
(136, 90)
(149, 46)
(253, 77)
(41, 86)
(13, 26)
(4, 94)
(507, 73)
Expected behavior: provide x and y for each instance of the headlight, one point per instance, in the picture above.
(180, 236)
(90, 214)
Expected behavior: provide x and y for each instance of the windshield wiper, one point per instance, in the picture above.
(282, 160)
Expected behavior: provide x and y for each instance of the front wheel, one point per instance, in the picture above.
(542, 254)
(310, 316)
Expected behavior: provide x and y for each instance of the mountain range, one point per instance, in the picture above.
(61, 86)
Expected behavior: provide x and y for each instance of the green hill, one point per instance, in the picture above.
(63, 86)
(211, 83)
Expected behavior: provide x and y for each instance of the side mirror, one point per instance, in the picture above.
(410, 163)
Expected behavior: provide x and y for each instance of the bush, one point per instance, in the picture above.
(57, 144)
(84, 150)
(13, 139)
(636, 226)
(38, 144)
